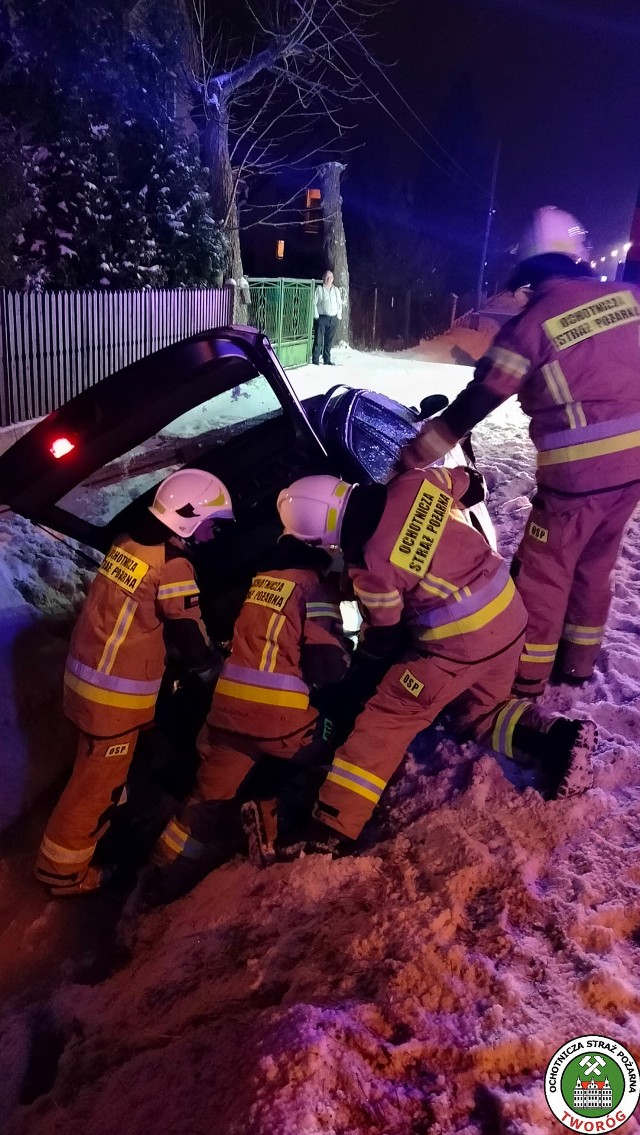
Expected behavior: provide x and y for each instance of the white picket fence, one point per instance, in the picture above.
(56, 344)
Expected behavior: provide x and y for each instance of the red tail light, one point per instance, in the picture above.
(61, 446)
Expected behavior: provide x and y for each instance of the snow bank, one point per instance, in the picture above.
(41, 588)
(418, 987)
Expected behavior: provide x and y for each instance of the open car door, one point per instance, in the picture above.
(220, 401)
(81, 467)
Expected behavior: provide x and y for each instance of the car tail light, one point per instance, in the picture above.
(61, 446)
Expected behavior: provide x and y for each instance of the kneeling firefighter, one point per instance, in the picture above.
(573, 358)
(143, 602)
(288, 640)
(422, 574)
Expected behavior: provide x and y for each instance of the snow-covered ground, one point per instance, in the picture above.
(419, 987)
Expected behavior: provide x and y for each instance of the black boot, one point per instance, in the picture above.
(566, 757)
(313, 838)
(260, 825)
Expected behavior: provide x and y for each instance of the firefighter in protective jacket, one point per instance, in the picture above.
(288, 640)
(573, 359)
(433, 593)
(143, 601)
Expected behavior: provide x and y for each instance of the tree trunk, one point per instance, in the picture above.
(223, 201)
(335, 245)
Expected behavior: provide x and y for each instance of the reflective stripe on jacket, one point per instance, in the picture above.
(573, 359)
(263, 689)
(117, 654)
(426, 567)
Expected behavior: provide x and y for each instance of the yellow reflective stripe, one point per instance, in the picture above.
(267, 644)
(583, 637)
(322, 611)
(271, 648)
(258, 694)
(558, 387)
(512, 711)
(552, 386)
(443, 476)
(539, 652)
(515, 717)
(587, 449)
(473, 622)
(357, 788)
(377, 596)
(432, 590)
(64, 854)
(182, 587)
(109, 697)
(174, 836)
(173, 844)
(276, 648)
(583, 630)
(121, 629)
(384, 604)
(441, 587)
(357, 771)
(450, 587)
(509, 361)
(563, 387)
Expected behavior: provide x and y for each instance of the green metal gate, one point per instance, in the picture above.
(283, 309)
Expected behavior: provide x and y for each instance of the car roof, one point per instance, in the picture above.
(131, 405)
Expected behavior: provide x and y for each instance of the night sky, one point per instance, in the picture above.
(556, 80)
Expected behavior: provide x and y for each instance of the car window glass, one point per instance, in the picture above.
(379, 429)
(100, 497)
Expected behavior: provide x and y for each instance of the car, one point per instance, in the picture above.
(220, 401)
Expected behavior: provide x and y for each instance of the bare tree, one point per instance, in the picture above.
(335, 243)
(282, 86)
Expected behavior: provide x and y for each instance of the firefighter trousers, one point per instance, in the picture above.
(227, 777)
(409, 698)
(82, 815)
(562, 570)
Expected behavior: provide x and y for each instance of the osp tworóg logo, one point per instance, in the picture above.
(591, 1084)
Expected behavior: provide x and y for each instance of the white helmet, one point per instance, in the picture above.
(312, 509)
(187, 498)
(553, 230)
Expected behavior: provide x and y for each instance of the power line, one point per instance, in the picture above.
(372, 59)
(376, 98)
(413, 139)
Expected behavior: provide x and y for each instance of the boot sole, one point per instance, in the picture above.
(262, 852)
(580, 769)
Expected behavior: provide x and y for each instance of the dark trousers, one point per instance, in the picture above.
(324, 334)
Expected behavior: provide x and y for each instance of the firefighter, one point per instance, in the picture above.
(430, 588)
(288, 641)
(143, 601)
(572, 356)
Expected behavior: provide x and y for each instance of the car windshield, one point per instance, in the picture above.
(104, 494)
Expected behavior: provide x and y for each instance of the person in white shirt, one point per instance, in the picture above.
(327, 314)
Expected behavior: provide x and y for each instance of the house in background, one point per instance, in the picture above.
(287, 243)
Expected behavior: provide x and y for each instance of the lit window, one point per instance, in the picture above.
(280, 250)
(312, 218)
